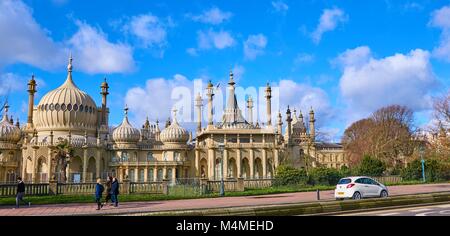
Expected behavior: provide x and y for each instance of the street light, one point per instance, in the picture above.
(422, 161)
(222, 185)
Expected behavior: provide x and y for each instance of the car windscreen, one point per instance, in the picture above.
(344, 181)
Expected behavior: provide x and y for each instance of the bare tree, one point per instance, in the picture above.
(64, 153)
(442, 109)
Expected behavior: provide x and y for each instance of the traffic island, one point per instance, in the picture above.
(316, 208)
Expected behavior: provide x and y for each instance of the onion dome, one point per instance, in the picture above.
(174, 133)
(9, 133)
(66, 108)
(125, 132)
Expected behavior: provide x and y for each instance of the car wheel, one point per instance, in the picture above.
(357, 196)
(384, 194)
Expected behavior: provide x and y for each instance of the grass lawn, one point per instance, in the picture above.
(175, 195)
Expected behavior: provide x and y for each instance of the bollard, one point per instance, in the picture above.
(318, 194)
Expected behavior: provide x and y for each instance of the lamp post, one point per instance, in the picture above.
(423, 162)
(222, 185)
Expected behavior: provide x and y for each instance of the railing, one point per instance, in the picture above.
(258, 183)
(7, 190)
(388, 179)
(229, 185)
(76, 188)
(149, 187)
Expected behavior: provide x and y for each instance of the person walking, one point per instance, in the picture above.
(98, 193)
(20, 192)
(108, 190)
(115, 192)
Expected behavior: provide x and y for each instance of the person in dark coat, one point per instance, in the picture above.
(20, 192)
(108, 189)
(115, 192)
(98, 193)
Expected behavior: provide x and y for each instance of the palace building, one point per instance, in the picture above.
(236, 147)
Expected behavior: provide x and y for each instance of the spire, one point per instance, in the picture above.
(174, 119)
(125, 118)
(157, 126)
(6, 109)
(69, 66)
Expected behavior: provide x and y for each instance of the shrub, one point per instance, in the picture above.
(288, 175)
(324, 176)
(434, 170)
(370, 166)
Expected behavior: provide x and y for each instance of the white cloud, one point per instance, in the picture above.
(254, 46)
(20, 33)
(328, 21)
(213, 16)
(280, 6)
(212, 39)
(238, 72)
(303, 58)
(368, 83)
(10, 82)
(93, 53)
(149, 29)
(192, 51)
(441, 19)
(141, 100)
(302, 97)
(353, 57)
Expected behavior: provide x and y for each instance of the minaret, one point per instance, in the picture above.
(104, 94)
(199, 104)
(288, 128)
(269, 104)
(31, 91)
(280, 124)
(158, 131)
(210, 95)
(250, 109)
(312, 130)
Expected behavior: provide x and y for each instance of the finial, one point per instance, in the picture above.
(69, 66)
(126, 110)
(231, 78)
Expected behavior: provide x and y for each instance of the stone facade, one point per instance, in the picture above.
(239, 147)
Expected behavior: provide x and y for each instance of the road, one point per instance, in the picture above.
(140, 207)
(431, 210)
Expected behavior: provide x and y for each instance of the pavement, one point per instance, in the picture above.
(204, 203)
(430, 210)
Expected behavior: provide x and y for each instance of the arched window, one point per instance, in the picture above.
(124, 156)
(165, 156)
(150, 156)
(177, 156)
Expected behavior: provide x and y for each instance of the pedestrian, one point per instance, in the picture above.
(108, 190)
(98, 193)
(115, 192)
(20, 192)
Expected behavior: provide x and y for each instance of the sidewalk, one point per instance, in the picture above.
(139, 207)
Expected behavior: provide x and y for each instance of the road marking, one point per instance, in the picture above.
(419, 210)
(389, 214)
(425, 213)
(444, 206)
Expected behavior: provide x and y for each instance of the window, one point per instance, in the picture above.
(166, 156)
(150, 175)
(124, 156)
(69, 107)
(150, 156)
(63, 107)
(75, 107)
(360, 181)
(345, 181)
(57, 107)
(177, 156)
(81, 107)
(51, 107)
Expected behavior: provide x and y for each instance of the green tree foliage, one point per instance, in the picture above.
(288, 175)
(370, 166)
(324, 176)
(435, 170)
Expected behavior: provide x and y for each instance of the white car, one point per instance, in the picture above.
(358, 187)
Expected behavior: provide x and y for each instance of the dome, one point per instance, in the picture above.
(66, 108)
(8, 132)
(125, 132)
(174, 133)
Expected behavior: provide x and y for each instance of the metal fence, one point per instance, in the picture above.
(388, 179)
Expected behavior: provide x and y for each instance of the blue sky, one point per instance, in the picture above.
(344, 58)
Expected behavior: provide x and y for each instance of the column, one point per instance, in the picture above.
(165, 173)
(264, 163)
(85, 163)
(146, 174)
(155, 174)
(238, 163)
(24, 168)
(211, 163)
(197, 163)
(136, 174)
(251, 164)
(174, 174)
(49, 164)
(34, 160)
(275, 160)
(97, 164)
(225, 163)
